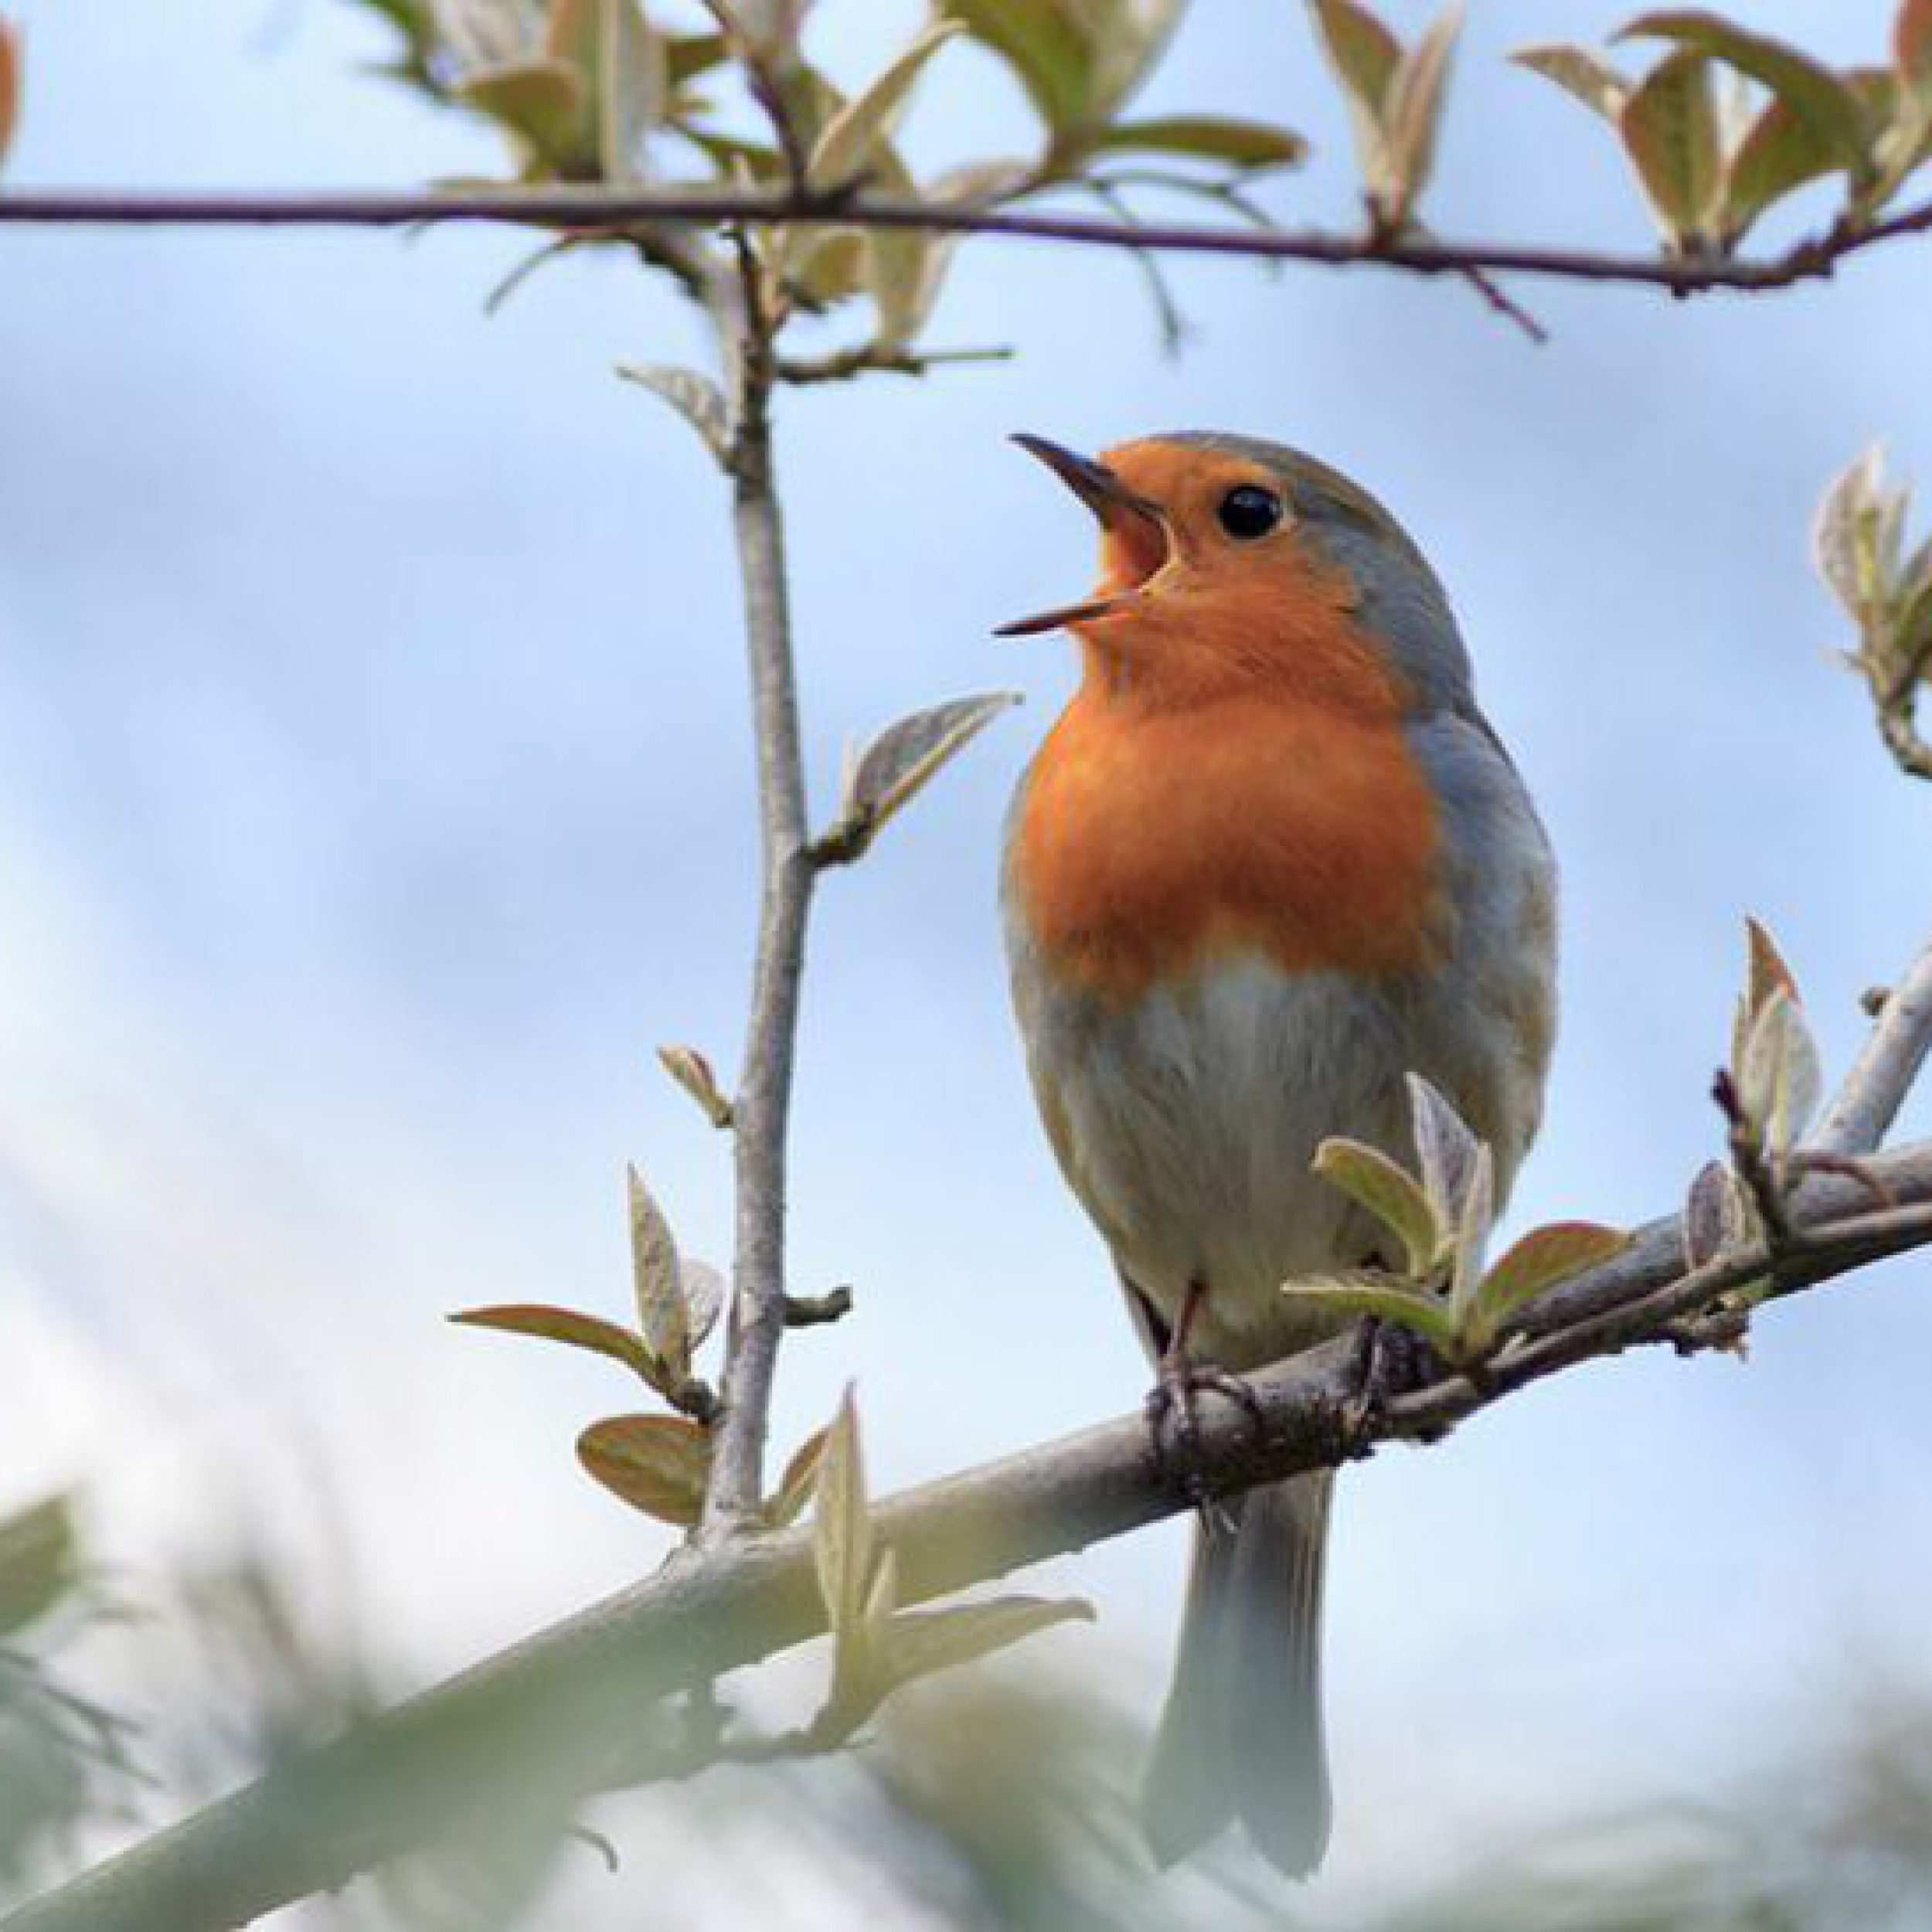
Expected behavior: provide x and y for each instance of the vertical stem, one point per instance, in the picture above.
(763, 1103)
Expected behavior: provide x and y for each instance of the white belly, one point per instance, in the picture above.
(1186, 1124)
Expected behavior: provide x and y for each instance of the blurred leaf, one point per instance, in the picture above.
(39, 1561)
(566, 1326)
(693, 1072)
(1248, 145)
(1364, 56)
(540, 101)
(633, 88)
(1580, 71)
(841, 1537)
(1427, 1314)
(1844, 540)
(658, 1278)
(1669, 126)
(882, 1599)
(704, 1298)
(851, 135)
(11, 57)
(1412, 117)
(689, 55)
(1781, 153)
(829, 264)
(1812, 90)
(482, 33)
(795, 1486)
(1545, 1258)
(1445, 1147)
(1714, 1220)
(696, 398)
(1473, 1225)
(904, 756)
(1366, 1174)
(1045, 43)
(921, 1642)
(657, 1463)
(1912, 44)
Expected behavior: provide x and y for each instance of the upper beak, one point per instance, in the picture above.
(1120, 511)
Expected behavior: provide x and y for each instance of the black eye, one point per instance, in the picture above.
(1248, 510)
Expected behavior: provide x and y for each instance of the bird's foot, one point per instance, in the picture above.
(1173, 1413)
(1391, 1361)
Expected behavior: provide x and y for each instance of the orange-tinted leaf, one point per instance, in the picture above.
(795, 1486)
(656, 1463)
(1545, 1258)
(10, 66)
(1769, 973)
(1912, 44)
(566, 1326)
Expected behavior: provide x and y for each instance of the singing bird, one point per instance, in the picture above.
(1271, 858)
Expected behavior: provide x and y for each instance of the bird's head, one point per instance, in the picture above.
(1229, 564)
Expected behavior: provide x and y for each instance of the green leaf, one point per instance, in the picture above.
(688, 56)
(842, 1544)
(696, 398)
(1365, 57)
(1427, 1314)
(566, 1326)
(657, 1463)
(1045, 43)
(542, 101)
(921, 1642)
(39, 1562)
(1669, 128)
(1580, 71)
(1249, 146)
(904, 757)
(865, 121)
(801, 1479)
(1393, 1195)
(1812, 90)
(658, 1279)
(1445, 1147)
(1412, 117)
(1544, 1259)
(1781, 153)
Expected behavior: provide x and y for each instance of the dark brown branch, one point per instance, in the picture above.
(545, 1722)
(583, 209)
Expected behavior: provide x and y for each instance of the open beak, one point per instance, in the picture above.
(1138, 524)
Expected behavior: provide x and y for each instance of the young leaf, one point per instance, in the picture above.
(1473, 1225)
(1412, 117)
(1813, 92)
(1366, 1174)
(1363, 53)
(1579, 71)
(1046, 45)
(1713, 1219)
(921, 1642)
(696, 398)
(1669, 127)
(657, 1278)
(1780, 1082)
(566, 1326)
(693, 1072)
(39, 1562)
(1912, 44)
(1767, 973)
(867, 119)
(541, 101)
(632, 88)
(1780, 153)
(704, 1298)
(800, 1478)
(1843, 539)
(657, 1463)
(10, 67)
(1444, 1146)
(1426, 1314)
(842, 1544)
(1248, 146)
(1543, 1259)
(906, 754)
(1129, 37)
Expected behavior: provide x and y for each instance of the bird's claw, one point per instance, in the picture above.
(1390, 1361)
(1173, 1413)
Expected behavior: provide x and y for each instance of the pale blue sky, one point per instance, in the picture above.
(373, 796)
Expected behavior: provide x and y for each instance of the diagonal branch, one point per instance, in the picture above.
(541, 1724)
(587, 211)
(1861, 1112)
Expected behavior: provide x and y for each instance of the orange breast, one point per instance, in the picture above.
(1151, 839)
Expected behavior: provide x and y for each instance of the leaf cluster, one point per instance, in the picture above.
(1711, 161)
(1441, 1217)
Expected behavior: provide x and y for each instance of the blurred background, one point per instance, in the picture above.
(375, 795)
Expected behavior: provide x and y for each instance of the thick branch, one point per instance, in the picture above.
(542, 1722)
(590, 210)
(1867, 1105)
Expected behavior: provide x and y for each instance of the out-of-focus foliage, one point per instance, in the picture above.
(1712, 161)
(10, 59)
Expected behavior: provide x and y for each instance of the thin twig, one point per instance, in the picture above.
(1862, 1112)
(544, 1718)
(594, 208)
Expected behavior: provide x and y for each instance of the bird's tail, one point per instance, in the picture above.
(1241, 1734)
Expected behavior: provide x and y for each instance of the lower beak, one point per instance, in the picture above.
(1119, 512)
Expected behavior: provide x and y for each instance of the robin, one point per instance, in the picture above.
(1271, 858)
